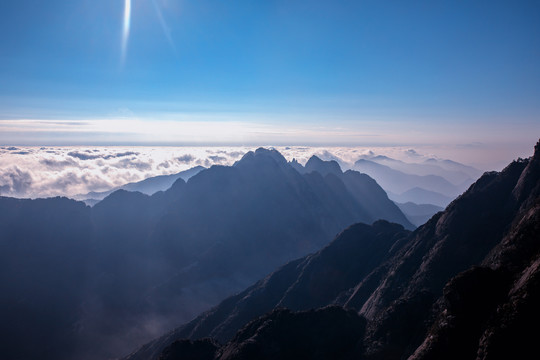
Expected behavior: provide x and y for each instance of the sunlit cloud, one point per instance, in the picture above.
(32, 171)
(125, 28)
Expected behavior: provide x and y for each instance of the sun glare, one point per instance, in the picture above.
(125, 30)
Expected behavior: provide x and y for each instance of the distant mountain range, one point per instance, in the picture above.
(433, 181)
(147, 186)
(454, 172)
(465, 285)
(83, 282)
(419, 196)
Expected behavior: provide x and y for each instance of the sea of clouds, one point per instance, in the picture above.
(32, 172)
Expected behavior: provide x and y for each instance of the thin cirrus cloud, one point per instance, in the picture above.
(260, 129)
(200, 130)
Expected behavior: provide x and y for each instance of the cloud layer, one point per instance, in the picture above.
(68, 171)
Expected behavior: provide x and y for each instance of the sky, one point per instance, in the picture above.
(461, 74)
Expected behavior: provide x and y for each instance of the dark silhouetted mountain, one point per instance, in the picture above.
(491, 312)
(420, 196)
(361, 187)
(147, 186)
(418, 214)
(151, 262)
(464, 285)
(204, 349)
(327, 333)
(322, 167)
(317, 280)
(44, 246)
(398, 182)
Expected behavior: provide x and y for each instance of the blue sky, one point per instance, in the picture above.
(381, 72)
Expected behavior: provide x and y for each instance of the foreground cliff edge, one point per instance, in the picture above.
(463, 286)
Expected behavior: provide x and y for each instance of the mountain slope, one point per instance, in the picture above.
(152, 261)
(464, 285)
(316, 280)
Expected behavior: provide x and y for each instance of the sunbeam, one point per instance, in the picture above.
(125, 30)
(166, 29)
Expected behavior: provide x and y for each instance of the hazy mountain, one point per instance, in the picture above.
(398, 182)
(147, 186)
(135, 265)
(464, 285)
(452, 171)
(433, 181)
(451, 165)
(420, 196)
(418, 214)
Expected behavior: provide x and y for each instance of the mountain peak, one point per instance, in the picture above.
(273, 153)
(323, 167)
(262, 153)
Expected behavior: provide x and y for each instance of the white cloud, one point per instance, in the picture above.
(68, 171)
(56, 171)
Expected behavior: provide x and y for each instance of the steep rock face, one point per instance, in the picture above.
(491, 226)
(464, 285)
(451, 242)
(497, 312)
